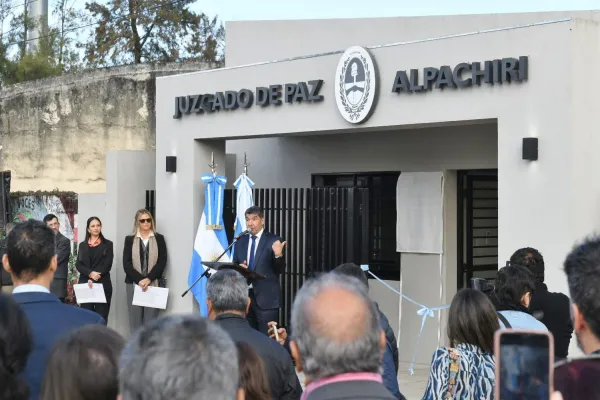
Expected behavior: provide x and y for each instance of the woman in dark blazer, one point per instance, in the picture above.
(94, 262)
(144, 261)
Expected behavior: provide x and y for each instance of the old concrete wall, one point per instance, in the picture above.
(55, 132)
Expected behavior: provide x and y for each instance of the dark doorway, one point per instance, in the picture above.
(477, 225)
(383, 259)
(324, 227)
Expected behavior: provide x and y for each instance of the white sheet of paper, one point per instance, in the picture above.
(84, 294)
(154, 297)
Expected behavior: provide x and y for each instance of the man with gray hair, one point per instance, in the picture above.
(338, 342)
(228, 304)
(179, 358)
(6, 283)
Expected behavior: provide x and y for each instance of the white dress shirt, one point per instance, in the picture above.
(30, 288)
(257, 240)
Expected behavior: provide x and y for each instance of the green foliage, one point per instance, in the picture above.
(55, 50)
(33, 65)
(124, 32)
(137, 31)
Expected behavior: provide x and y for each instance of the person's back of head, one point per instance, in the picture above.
(472, 320)
(513, 288)
(336, 328)
(531, 259)
(582, 267)
(351, 269)
(15, 347)
(253, 375)
(227, 292)
(179, 357)
(30, 253)
(84, 365)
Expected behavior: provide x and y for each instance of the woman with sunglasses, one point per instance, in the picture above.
(94, 262)
(144, 261)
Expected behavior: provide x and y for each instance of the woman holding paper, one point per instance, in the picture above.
(144, 261)
(94, 262)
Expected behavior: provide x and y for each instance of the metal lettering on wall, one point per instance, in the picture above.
(463, 75)
(245, 98)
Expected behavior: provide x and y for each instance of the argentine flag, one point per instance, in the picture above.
(211, 239)
(243, 186)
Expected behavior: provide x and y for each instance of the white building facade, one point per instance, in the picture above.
(455, 95)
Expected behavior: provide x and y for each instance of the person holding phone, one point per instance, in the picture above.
(94, 262)
(144, 262)
(524, 364)
(577, 378)
(467, 369)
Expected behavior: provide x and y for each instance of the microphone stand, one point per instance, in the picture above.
(205, 273)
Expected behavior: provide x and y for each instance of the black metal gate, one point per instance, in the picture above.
(151, 202)
(323, 227)
(478, 225)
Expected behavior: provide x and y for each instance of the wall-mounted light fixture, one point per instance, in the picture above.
(530, 149)
(171, 164)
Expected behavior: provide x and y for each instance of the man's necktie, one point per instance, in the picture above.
(252, 248)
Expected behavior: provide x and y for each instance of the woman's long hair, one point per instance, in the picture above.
(136, 225)
(472, 320)
(84, 365)
(87, 227)
(15, 347)
(253, 378)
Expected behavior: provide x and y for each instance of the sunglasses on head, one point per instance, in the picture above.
(143, 220)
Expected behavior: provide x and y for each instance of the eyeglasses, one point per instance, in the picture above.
(145, 220)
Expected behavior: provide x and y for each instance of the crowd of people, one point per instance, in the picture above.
(338, 337)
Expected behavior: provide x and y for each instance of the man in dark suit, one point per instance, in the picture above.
(31, 261)
(63, 251)
(6, 283)
(261, 252)
(552, 309)
(228, 304)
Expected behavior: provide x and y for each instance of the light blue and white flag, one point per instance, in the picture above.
(243, 186)
(211, 239)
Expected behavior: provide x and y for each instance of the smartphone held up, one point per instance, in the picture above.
(524, 364)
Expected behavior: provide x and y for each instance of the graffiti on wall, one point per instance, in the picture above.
(37, 207)
(27, 206)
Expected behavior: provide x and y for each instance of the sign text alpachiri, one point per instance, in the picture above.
(463, 75)
(245, 98)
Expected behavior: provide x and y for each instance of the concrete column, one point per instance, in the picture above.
(180, 198)
(431, 284)
(128, 175)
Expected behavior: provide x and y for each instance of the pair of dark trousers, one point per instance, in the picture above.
(101, 308)
(258, 317)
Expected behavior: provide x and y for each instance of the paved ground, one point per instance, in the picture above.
(411, 386)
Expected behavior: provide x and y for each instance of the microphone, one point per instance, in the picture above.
(242, 234)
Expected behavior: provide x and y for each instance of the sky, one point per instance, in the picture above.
(236, 10)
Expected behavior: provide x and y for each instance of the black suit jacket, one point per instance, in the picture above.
(283, 381)
(5, 279)
(131, 275)
(63, 251)
(267, 291)
(49, 320)
(554, 311)
(364, 390)
(103, 266)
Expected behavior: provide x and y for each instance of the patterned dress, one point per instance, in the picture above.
(475, 379)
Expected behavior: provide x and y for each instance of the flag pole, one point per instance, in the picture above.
(246, 164)
(205, 273)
